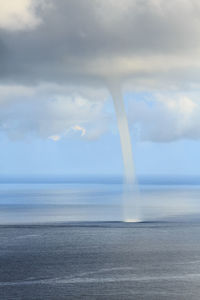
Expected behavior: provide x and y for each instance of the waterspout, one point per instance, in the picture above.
(131, 192)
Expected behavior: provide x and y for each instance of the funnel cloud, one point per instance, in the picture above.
(123, 132)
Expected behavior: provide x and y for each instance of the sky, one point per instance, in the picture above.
(58, 60)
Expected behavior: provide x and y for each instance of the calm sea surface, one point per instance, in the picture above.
(45, 201)
(66, 241)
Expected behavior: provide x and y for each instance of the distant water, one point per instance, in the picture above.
(94, 199)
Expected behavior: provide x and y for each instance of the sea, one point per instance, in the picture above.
(65, 238)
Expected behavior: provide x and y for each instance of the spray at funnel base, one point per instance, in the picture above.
(131, 192)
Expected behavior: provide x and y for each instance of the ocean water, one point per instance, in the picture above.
(100, 260)
(66, 240)
(31, 201)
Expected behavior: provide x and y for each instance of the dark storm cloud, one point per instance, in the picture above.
(90, 39)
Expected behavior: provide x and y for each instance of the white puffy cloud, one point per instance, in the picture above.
(79, 128)
(57, 112)
(166, 117)
(51, 114)
(54, 138)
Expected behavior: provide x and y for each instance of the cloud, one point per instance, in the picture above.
(54, 75)
(18, 15)
(166, 117)
(45, 113)
(90, 41)
(54, 138)
(79, 128)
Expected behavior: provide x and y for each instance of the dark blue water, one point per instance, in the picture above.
(64, 240)
(100, 261)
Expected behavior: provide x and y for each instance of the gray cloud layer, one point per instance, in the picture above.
(96, 39)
